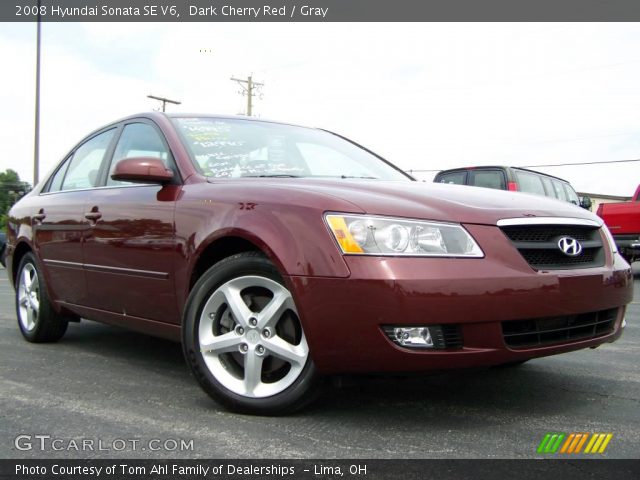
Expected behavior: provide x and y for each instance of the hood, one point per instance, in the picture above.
(431, 201)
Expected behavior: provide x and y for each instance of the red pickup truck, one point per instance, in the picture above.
(623, 220)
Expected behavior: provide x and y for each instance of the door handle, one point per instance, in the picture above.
(93, 216)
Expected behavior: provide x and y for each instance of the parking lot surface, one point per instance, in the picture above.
(110, 388)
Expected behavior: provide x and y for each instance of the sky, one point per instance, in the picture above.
(426, 96)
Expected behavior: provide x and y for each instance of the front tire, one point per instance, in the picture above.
(37, 319)
(244, 341)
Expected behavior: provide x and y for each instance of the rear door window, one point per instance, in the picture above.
(457, 178)
(529, 182)
(56, 181)
(84, 169)
(488, 179)
(559, 189)
(548, 186)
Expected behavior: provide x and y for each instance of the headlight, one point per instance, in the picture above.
(370, 235)
(612, 242)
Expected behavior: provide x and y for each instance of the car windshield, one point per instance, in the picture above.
(227, 148)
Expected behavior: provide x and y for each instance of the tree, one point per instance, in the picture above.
(12, 189)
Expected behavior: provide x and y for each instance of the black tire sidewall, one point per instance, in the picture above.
(50, 325)
(294, 396)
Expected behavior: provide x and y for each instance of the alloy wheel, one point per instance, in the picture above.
(251, 338)
(28, 297)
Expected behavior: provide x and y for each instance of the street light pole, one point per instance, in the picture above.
(36, 140)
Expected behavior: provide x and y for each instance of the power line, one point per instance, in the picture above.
(248, 87)
(585, 163)
(602, 162)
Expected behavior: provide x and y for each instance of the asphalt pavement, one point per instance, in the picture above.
(104, 392)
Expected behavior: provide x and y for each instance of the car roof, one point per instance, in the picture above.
(501, 167)
(157, 115)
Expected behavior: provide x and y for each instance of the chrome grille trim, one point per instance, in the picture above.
(509, 222)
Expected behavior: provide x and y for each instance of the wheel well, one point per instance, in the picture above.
(21, 249)
(219, 250)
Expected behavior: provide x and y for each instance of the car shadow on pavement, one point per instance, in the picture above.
(522, 390)
(440, 397)
(119, 343)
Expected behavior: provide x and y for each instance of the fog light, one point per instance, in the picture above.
(413, 337)
(423, 337)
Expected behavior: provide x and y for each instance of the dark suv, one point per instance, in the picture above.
(514, 179)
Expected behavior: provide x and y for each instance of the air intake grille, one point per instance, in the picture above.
(546, 258)
(538, 244)
(451, 336)
(562, 329)
(546, 233)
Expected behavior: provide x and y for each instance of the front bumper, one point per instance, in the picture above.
(628, 245)
(343, 317)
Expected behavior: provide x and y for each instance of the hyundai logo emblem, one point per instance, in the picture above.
(570, 246)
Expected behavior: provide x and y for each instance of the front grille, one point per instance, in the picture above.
(538, 332)
(538, 244)
(546, 233)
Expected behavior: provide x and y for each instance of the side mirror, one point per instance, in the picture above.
(142, 170)
(585, 202)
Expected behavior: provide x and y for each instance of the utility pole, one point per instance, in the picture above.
(164, 101)
(36, 137)
(248, 87)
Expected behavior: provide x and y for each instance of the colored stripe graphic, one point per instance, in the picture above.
(603, 447)
(598, 443)
(543, 443)
(569, 441)
(556, 445)
(552, 442)
(584, 439)
(574, 443)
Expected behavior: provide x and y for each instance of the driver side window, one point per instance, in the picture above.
(139, 140)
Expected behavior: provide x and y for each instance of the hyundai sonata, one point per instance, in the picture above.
(279, 254)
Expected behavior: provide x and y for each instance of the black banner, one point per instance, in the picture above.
(318, 469)
(317, 10)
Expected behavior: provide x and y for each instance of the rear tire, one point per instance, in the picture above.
(37, 319)
(244, 341)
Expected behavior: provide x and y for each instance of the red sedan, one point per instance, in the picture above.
(280, 254)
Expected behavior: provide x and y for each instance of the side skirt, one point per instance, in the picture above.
(143, 325)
